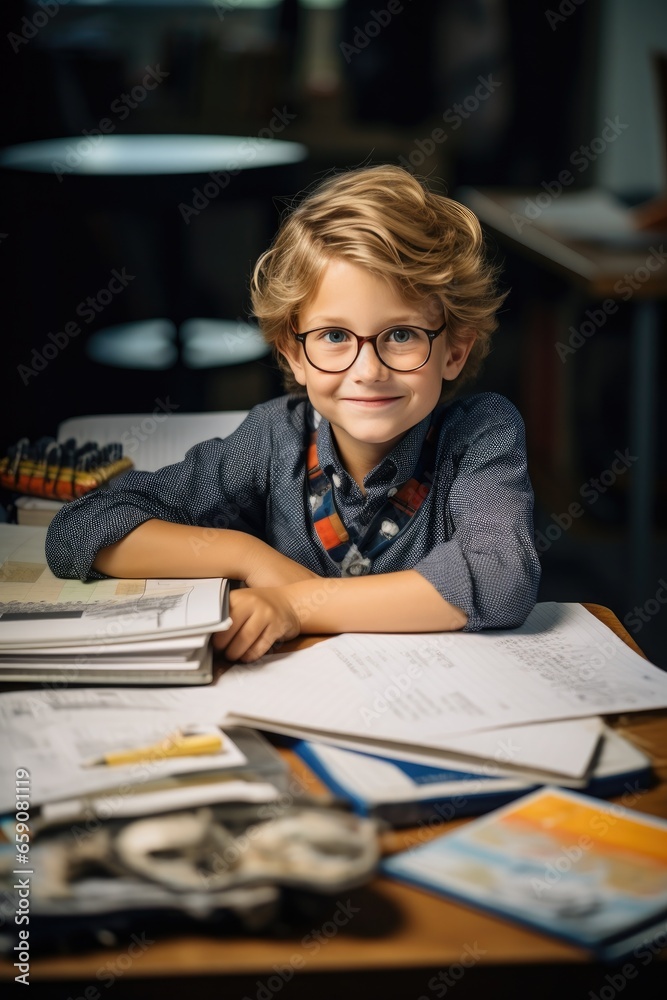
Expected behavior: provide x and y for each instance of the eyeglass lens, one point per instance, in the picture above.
(401, 348)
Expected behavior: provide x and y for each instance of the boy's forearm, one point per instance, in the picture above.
(386, 602)
(162, 549)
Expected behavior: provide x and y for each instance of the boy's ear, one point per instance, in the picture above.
(293, 356)
(457, 354)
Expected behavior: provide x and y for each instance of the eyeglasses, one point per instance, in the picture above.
(400, 348)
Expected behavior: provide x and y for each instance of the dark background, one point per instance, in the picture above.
(558, 76)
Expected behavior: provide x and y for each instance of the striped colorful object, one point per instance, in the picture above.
(60, 471)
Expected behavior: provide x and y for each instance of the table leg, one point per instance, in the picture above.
(642, 420)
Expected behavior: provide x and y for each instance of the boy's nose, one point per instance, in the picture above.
(368, 364)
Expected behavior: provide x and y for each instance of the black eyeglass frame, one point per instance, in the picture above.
(431, 334)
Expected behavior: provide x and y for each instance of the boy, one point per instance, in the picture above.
(374, 294)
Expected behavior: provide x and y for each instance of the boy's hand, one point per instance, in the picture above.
(268, 568)
(260, 617)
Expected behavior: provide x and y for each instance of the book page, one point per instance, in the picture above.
(38, 608)
(423, 689)
(546, 751)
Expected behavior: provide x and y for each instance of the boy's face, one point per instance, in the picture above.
(369, 406)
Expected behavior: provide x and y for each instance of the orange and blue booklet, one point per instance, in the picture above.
(592, 872)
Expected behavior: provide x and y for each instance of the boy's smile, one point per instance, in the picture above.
(369, 406)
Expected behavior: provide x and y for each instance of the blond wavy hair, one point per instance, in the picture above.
(383, 219)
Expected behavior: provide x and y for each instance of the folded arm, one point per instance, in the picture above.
(161, 549)
(385, 602)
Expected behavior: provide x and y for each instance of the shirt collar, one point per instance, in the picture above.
(395, 468)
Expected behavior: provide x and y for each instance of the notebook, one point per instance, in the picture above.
(405, 794)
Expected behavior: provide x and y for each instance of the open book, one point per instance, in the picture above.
(103, 631)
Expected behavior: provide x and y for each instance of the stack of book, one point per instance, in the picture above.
(102, 632)
(403, 793)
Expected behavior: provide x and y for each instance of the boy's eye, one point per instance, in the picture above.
(402, 335)
(334, 336)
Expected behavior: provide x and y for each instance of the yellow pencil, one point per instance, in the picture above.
(176, 745)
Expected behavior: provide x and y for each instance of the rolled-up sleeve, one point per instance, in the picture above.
(220, 483)
(489, 567)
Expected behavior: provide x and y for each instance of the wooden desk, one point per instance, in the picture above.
(598, 271)
(391, 943)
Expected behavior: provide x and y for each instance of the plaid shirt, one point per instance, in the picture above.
(472, 537)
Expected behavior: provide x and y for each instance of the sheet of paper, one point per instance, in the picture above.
(38, 608)
(525, 751)
(504, 753)
(53, 733)
(422, 690)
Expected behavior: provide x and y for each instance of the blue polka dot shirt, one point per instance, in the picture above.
(472, 537)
